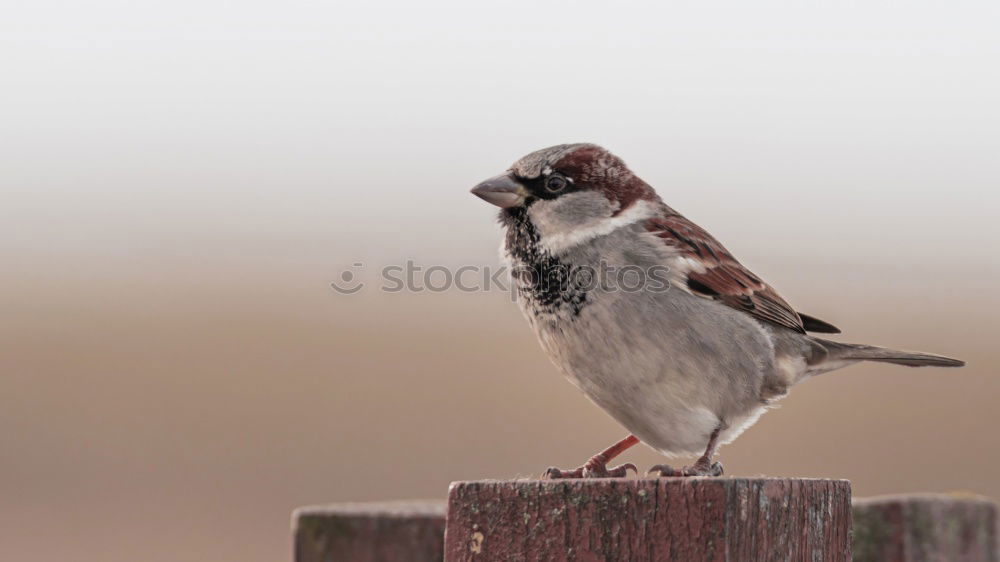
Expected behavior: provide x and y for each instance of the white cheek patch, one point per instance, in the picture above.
(559, 242)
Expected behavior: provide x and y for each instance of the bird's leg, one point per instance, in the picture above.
(597, 466)
(702, 467)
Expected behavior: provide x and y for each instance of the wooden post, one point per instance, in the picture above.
(682, 519)
(925, 528)
(370, 532)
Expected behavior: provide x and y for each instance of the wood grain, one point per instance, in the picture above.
(925, 528)
(370, 532)
(682, 519)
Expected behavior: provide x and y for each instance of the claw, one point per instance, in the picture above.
(597, 466)
(553, 473)
(590, 470)
(664, 470)
(621, 471)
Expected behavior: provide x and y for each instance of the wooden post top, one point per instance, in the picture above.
(399, 508)
(926, 528)
(370, 532)
(650, 519)
(641, 482)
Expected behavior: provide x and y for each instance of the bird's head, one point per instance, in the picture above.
(565, 173)
(568, 188)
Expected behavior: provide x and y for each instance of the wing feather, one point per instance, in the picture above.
(723, 278)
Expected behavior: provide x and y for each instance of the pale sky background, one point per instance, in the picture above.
(180, 180)
(172, 123)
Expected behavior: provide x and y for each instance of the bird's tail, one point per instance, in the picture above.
(851, 352)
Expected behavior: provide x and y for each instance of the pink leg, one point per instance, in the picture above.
(597, 466)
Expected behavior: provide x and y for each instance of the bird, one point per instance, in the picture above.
(653, 319)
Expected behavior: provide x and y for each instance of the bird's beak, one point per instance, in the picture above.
(503, 191)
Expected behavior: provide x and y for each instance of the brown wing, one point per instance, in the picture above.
(725, 279)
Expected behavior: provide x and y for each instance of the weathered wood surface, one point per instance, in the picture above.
(925, 528)
(683, 519)
(370, 532)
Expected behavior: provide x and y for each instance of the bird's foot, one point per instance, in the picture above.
(594, 468)
(697, 469)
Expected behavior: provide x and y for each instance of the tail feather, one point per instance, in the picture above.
(856, 352)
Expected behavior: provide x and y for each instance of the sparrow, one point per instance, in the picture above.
(648, 314)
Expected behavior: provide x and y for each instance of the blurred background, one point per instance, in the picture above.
(181, 181)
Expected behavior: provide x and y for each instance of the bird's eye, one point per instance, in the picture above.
(555, 183)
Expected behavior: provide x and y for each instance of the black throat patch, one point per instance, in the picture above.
(547, 284)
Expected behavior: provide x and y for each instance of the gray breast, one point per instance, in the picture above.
(655, 360)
